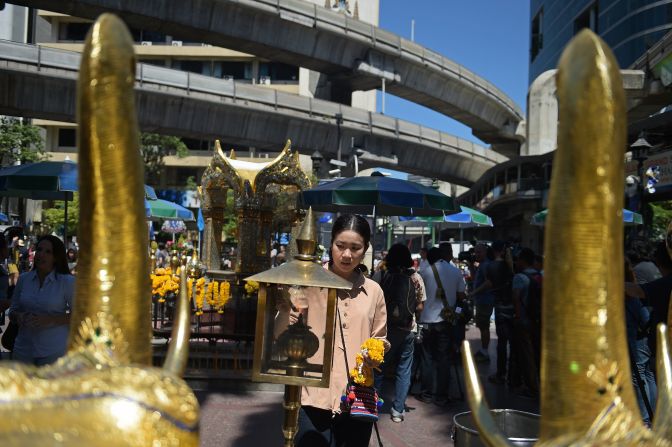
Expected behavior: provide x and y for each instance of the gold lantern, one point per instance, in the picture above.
(286, 351)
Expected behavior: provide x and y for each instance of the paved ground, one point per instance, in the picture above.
(240, 418)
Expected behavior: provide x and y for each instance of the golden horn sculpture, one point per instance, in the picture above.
(587, 396)
(103, 391)
(111, 180)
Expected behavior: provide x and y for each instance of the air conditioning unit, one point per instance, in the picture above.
(265, 80)
(146, 43)
(206, 45)
(177, 43)
(227, 77)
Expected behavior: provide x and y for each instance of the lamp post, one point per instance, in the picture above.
(339, 121)
(638, 150)
(286, 351)
(317, 163)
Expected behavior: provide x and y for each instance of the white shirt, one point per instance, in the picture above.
(53, 298)
(452, 282)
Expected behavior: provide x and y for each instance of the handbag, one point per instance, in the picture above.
(463, 311)
(9, 336)
(360, 402)
(447, 314)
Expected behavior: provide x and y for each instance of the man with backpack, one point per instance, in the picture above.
(404, 299)
(526, 296)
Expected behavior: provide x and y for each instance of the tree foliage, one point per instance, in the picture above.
(154, 148)
(662, 215)
(52, 218)
(20, 141)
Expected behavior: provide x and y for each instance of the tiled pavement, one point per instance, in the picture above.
(242, 418)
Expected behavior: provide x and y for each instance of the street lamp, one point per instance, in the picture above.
(339, 121)
(286, 351)
(639, 150)
(317, 162)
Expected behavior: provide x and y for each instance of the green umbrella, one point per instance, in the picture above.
(630, 218)
(163, 209)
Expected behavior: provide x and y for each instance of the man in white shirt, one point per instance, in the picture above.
(438, 334)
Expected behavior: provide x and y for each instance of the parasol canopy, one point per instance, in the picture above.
(163, 209)
(630, 218)
(378, 195)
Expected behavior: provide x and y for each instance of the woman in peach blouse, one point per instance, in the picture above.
(362, 315)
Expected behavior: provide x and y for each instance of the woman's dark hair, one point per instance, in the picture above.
(638, 250)
(354, 223)
(399, 257)
(58, 249)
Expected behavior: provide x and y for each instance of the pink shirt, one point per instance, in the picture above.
(363, 316)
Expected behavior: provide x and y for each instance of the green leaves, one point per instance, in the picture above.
(52, 218)
(19, 141)
(154, 148)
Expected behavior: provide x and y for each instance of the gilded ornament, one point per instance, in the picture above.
(104, 392)
(587, 396)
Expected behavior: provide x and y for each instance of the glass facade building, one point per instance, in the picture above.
(629, 27)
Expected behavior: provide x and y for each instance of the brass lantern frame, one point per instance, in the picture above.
(263, 343)
(302, 271)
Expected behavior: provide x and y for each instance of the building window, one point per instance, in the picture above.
(67, 137)
(537, 40)
(587, 19)
(277, 71)
(73, 31)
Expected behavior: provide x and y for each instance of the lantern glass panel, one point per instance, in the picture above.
(295, 330)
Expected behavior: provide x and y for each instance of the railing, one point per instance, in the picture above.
(314, 16)
(231, 91)
(527, 188)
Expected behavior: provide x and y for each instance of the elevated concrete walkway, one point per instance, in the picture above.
(354, 54)
(40, 83)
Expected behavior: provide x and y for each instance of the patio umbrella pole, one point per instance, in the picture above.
(373, 241)
(65, 224)
(461, 239)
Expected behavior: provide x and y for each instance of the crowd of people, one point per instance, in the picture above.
(503, 283)
(419, 308)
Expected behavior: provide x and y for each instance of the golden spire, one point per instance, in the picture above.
(114, 273)
(587, 394)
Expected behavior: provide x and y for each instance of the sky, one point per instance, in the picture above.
(489, 37)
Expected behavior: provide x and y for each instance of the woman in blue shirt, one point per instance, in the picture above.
(41, 305)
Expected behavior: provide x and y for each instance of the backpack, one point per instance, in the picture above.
(534, 289)
(400, 298)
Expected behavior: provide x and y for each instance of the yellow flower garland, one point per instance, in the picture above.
(200, 293)
(374, 350)
(223, 296)
(216, 294)
(251, 287)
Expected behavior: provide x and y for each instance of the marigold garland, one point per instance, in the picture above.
(372, 349)
(223, 296)
(166, 284)
(209, 295)
(251, 287)
(200, 293)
